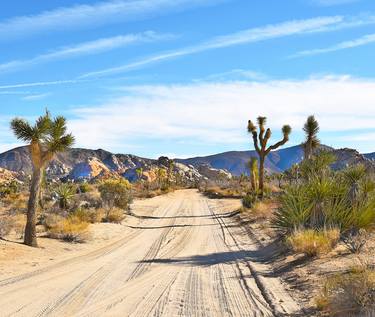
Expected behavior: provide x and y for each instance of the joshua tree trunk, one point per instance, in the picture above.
(30, 230)
(260, 145)
(261, 176)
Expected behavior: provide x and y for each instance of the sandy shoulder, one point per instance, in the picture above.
(17, 258)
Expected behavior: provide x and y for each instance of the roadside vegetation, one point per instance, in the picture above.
(313, 209)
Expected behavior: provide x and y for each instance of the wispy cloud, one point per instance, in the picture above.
(328, 3)
(234, 75)
(35, 97)
(364, 40)
(87, 48)
(42, 83)
(94, 15)
(243, 37)
(226, 104)
(289, 28)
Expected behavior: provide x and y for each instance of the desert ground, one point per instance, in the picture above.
(180, 254)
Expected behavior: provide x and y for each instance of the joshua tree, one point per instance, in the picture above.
(260, 144)
(311, 129)
(253, 172)
(46, 138)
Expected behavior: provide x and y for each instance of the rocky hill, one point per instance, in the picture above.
(277, 161)
(85, 164)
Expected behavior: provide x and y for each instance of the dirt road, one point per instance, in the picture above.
(182, 255)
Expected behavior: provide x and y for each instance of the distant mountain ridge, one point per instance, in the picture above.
(277, 161)
(85, 163)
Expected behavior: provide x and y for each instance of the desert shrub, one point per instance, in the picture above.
(71, 229)
(96, 214)
(116, 193)
(51, 220)
(355, 240)
(6, 226)
(115, 215)
(349, 294)
(312, 242)
(91, 215)
(84, 188)
(249, 200)
(10, 188)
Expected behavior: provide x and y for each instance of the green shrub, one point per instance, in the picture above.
(116, 193)
(295, 209)
(84, 188)
(10, 188)
(249, 200)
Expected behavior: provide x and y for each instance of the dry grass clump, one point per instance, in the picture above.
(115, 215)
(219, 192)
(91, 215)
(312, 242)
(71, 229)
(349, 294)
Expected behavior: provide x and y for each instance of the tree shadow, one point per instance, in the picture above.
(172, 217)
(207, 259)
(169, 226)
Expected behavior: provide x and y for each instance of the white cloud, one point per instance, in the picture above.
(217, 113)
(364, 40)
(289, 28)
(94, 15)
(87, 48)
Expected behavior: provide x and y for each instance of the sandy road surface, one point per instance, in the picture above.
(182, 255)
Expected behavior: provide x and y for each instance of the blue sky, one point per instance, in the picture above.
(182, 77)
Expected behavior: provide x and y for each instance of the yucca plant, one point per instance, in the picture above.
(260, 143)
(295, 209)
(64, 193)
(353, 176)
(46, 138)
(318, 166)
(311, 129)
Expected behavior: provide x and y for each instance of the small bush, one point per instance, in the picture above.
(84, 188)
(349, 294)
(249, 200)
(355, 240)
(71, 229)
(89, 215)
(312, 242)
(115, 215)
(51, 220)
